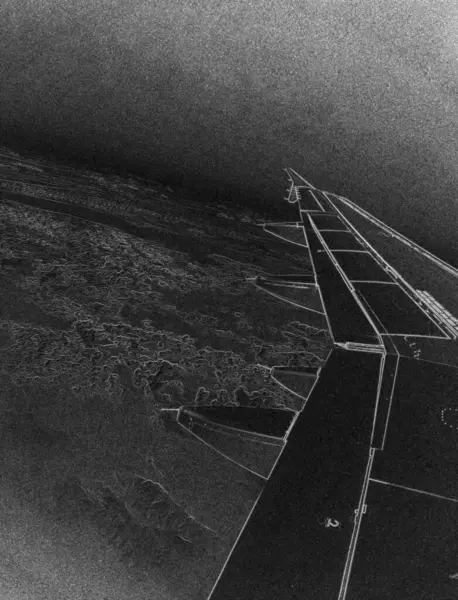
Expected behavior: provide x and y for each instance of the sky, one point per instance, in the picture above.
(220, 95)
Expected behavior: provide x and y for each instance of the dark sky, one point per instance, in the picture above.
(360, 97)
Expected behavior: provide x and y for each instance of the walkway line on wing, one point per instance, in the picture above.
(359, 513)
(404, 487)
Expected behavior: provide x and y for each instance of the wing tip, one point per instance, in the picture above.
(298, 180)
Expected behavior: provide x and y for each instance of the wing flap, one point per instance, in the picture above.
(296, 539)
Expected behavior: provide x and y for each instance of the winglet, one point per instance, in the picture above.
(298, 180)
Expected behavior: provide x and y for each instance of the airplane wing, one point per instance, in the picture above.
(361, 492)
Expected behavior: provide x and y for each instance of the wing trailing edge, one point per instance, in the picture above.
(290, 232)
